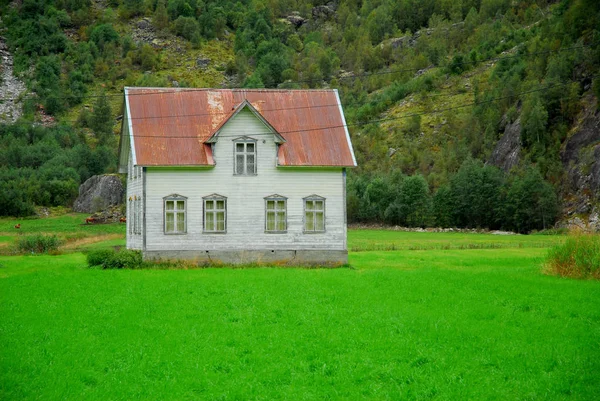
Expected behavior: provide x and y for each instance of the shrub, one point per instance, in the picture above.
(109, 259)
(38, 243)
(579, 256)
(99, 257)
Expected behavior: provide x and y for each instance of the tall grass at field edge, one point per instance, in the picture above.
(578, 257)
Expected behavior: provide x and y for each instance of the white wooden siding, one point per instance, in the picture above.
(134, 191)
(245, 198)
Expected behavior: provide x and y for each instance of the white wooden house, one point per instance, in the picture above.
(236, 176)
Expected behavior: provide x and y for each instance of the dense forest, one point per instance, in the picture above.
(430, 89)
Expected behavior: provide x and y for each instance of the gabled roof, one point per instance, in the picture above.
(174, 126)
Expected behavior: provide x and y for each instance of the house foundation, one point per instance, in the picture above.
(261, 257)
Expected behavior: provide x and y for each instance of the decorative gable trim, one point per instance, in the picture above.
(130, 127)
(244, 139)
(275, 197)
(175, 197)
(314, 197)
(214, 196)
(337, 95)
(213, 138)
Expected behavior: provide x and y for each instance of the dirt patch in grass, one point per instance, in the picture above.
(81, 242)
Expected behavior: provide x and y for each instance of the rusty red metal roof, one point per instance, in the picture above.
(171, 126)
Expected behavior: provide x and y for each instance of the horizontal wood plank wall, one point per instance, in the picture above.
(134, 190)
(245, 198)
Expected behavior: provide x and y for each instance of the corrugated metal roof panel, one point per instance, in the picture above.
(171, 125)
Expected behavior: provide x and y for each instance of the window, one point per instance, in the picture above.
(275, 214)
(215, 214)
(244, 150)
(139, 216)
(175, 214)
(129, 215)
(314, 214)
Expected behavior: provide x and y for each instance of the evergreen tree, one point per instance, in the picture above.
(161, 17)
(102, 122)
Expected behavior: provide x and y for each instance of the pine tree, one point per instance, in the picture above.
(101, 122)
(161, 18)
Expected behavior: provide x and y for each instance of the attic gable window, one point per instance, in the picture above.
(275, 214)
(244, 153)
(175, 214)
(215, 214)
(314, 214)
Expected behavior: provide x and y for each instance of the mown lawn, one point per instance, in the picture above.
(442, 324)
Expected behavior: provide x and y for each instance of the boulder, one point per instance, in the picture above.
(324, 11)
(98, 193)
(295, 19)
(507, 152)
(202, 62)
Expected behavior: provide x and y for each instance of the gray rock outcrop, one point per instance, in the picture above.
(581, 159)
(98, 193)
(295, 19)
(324, 12)
(507, 151)
(10, 87)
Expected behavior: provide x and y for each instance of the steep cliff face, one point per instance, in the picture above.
(507, 152)
(581, 159)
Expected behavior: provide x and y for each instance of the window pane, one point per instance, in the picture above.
(319, 221)
(180, 205)
(180, 222)
(280, 205)
(270, 205)
(239, 147)
(169, 205)
(309, 205)
(280, 221)
(270, 221)
(250, 164)
(308, 221)
(220, 205)
(209, 204)
(209, 224)
(319, 205)
(170, 226)
(220, 221)
(250, 147)
(239, 164)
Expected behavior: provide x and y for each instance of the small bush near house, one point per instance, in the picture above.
(579, 256)
(38, 243)
(110, 259)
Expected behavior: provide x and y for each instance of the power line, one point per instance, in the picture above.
(168, 90)
(388, 118)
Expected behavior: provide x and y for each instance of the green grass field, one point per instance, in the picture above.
(439, 324)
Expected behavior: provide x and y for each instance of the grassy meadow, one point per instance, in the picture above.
(441, 317)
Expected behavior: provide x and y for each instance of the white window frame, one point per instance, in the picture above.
(275, 211)
(212, 200)
(314, 200)
(130, 219)
(139, 216)
(175, 198)
(245, 141)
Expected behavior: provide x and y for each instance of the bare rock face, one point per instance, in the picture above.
(324, 12)
(10, 87)
(295, 19)
(507, 152)
(581, 153)
(98, 193)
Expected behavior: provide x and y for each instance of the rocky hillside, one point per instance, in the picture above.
(426, 85)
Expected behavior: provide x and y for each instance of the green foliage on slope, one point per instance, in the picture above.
(435, 81)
